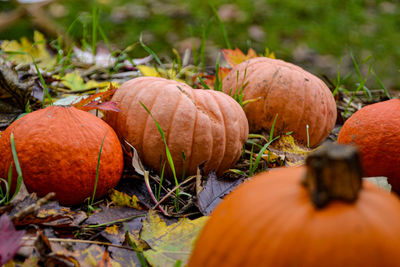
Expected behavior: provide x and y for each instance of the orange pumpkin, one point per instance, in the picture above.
(298, 97)
(206, 125)
(375, 130)
(58, 149)
(271, 221)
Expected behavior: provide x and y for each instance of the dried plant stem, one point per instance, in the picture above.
(172, 191)
(146, 180)
(53, 239)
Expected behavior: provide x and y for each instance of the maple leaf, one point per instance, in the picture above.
(99, 101)
(10, 239)
(236, 56)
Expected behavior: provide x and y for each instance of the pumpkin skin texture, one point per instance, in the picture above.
(58, 149)
(270, 221)
(375, 130)
(298, 97)
(207, 125)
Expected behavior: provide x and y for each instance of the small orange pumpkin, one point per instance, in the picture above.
(58, 150)
(298, 97)
(375, 130)
(271, 220)
(206, 125)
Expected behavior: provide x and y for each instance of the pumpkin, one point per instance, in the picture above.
(207, 126)
(275, 87)
(375, 130)
(58, 150)
(274, 220)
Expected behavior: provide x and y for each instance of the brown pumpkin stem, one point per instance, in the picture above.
(333, 172)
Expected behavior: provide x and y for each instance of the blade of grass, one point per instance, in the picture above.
(139, 253)
(381, 84)
(167, 152)
(95, 21)
(97, 171)
(151, 52)
(17, 167)
(45, 90)
(257, 161)
(221, 26)
(161, 181)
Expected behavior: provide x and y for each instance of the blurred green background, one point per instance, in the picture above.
(314, 34)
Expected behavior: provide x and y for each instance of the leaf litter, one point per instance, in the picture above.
(123, 230)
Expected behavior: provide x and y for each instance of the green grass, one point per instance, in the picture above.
(91, 200)
(326, 27)
(5, 197)
(169, 156)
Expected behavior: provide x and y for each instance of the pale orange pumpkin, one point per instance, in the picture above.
(58, 150)
(271, 221)
(205, 125)
(298, 97)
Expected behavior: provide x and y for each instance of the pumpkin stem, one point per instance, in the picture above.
(333, 172)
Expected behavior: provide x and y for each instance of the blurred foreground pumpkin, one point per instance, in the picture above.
(375, 130)
(299, 98)
(319, 215)
(58, 150)
(205, 125)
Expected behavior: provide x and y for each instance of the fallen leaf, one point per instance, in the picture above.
(170, 243)
(214, 190)
(23, 51)
(137, 187)
(98, 100)
(236, 56)
(288, 148)
(125, 200)
(75, 82)
(10, 239)
(110, 214)
(48, 214)
(94, 256)
(153, 72)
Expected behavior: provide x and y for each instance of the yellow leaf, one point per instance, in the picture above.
(148, 71)
(269, 53)
(141, 245)
(112, 230)
(293, 152)
(170, 243)
(75, 82)
(153, 72)
(24, 51)
(123, 199)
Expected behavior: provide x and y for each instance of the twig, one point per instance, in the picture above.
(114, 222)
(33, 207)
(172, 191)
(198, 182)
(54, 239)
(146, 180)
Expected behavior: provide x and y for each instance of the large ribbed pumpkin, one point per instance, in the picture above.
(206, 125)
(271, 221)
(298, 97)
(58, 150)
(375, 130)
